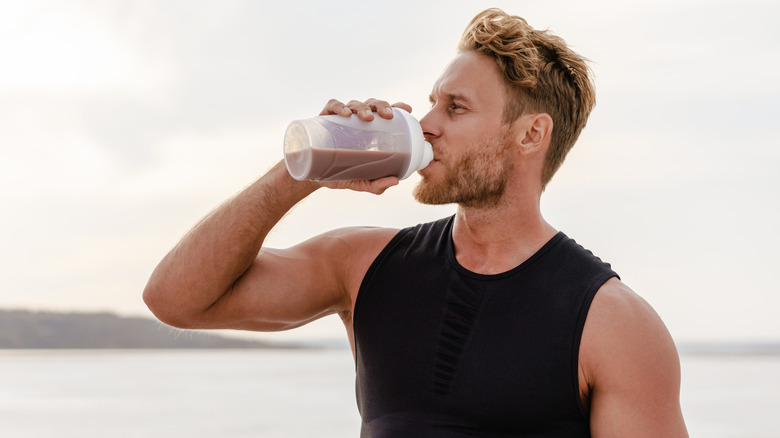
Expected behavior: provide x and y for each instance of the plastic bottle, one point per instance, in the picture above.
(338, 148)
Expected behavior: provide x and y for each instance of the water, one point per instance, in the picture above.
(732, 396)
(290, 393)
(177, 394)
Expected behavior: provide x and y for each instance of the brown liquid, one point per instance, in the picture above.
(345, 165)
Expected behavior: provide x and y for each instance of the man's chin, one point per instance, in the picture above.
(427, 192)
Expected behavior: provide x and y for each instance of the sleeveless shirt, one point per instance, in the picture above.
(445, 352)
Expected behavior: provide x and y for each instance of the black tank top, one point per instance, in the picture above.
(445, 352)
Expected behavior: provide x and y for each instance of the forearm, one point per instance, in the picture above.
(205, 264)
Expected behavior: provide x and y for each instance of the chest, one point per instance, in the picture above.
(500, 352)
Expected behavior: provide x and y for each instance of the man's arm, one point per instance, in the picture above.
(631, 367)
(220, 276)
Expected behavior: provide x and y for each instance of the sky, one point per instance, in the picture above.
(123, 123)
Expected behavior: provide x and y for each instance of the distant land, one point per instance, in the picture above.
(24, 329)
(44, 330)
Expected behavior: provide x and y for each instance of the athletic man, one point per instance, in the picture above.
(487, 323)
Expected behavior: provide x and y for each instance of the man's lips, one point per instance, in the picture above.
(432, 163)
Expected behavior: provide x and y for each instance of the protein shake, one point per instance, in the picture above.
(336, 148)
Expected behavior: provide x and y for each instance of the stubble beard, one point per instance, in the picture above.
(475, 180)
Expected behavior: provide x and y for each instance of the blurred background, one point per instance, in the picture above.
(123, 123)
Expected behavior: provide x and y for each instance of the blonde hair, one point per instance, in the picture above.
(542, 74)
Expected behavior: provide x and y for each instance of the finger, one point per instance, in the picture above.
(335, 107)
(377, 186)
(381, 107)
(362, 110)
(403, 105)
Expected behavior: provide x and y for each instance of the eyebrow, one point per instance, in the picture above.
(451, 97)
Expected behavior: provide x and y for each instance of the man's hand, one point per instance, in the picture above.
(365, 111)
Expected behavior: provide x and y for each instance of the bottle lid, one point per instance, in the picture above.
(420, 151)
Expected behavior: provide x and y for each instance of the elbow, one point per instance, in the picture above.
(161, 302)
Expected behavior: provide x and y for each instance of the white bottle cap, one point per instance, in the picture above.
(420, 151)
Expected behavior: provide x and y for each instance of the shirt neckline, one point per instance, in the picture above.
(529, 261)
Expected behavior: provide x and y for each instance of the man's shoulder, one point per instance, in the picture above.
(352, 241)
(614, 296)
(631, 367)
(370, 233)
(623, 334)
(384, 236)
(617, 312)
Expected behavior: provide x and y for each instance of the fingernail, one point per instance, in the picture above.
(388, 109)
(346, 111)
(368, 112)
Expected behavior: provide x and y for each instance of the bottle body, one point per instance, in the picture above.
(336, 148)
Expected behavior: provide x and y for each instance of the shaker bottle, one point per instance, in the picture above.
(338, 148)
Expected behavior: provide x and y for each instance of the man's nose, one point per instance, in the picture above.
(429, 126)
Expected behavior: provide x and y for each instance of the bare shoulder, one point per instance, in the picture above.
(619, 314)
(623, 329)
(351, 250)
(352, 243)
(630, 364)
(361, 237)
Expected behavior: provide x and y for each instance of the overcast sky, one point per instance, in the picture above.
(123, 122)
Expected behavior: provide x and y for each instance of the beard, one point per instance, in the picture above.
(476, 179)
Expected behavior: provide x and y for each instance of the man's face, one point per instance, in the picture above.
(471, 144)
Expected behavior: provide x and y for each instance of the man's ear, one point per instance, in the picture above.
(533, 132)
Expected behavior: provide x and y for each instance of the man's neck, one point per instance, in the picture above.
(497, 239)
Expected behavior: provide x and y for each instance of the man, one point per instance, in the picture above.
(488, 323)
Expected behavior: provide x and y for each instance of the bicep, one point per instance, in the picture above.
(633, 367)
(287, 288)
(284, 289)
